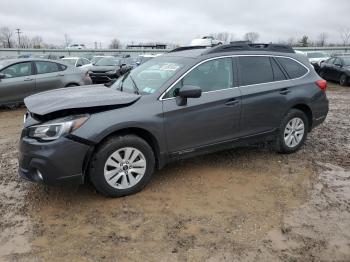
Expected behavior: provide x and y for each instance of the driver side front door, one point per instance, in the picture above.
(210, 119)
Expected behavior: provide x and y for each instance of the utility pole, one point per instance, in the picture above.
(19, 38)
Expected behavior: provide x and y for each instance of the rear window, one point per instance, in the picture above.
(293, 68)
(255, 70)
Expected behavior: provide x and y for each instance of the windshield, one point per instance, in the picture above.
(96, 58)
(317, 55)
(346, 60)
(108, 61)
(150, 76)
(69, 61)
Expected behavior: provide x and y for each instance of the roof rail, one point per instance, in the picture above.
(184, 48)
(247, 46)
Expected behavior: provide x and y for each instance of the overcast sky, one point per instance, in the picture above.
(176, 21)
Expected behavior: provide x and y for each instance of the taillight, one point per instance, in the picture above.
(322, 84)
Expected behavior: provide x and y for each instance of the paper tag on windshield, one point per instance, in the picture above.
(169, 67)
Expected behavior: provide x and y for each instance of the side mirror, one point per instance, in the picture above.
(79, 65)
(122, 65)
(187, 91)
(338, 65)
(2, 76)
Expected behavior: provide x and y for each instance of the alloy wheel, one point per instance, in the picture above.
(125, 168)
(294, 132)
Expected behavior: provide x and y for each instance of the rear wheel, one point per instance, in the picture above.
(292, 132)
(71, 85)
(122, 166)
(344, 81)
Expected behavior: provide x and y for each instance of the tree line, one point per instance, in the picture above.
(8, 39)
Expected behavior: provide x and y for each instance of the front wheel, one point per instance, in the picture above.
(122, 166)
(344, 81)
(292, 132)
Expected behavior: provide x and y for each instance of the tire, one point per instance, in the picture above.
(322, 74)
(286, 143)
(344, 80)
(71, 85)
(122, 180)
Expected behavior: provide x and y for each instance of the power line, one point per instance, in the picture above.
(19, 37)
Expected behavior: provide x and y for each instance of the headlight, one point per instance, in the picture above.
(54, 129)
(111, 72)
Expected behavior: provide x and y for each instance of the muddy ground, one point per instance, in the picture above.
(247, 204)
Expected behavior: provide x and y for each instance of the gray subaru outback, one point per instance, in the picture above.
(187, 102)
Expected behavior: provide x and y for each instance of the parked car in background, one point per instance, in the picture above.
(337, 69)
(144, 58)
(20, 78)
(109, 68)
(76, 46)
(77, 62)
(96, 58)
(316, 58)
(182, 104)
(206, 41)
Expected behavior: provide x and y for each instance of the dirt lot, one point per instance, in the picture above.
(246, 204)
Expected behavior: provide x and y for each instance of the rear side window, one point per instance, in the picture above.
(255, 70)
(46, 67)
(293, 68)
(278, 74)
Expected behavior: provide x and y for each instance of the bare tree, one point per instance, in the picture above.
(37, 42)
(6, 37)
(322, 39)
(115, 44)
(291, 41)
(67, 40)
(251, 37)
(25, 42)
(345, 35)
(224, 36)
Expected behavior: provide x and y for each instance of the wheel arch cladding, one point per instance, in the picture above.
(308, 112)
(140, 132)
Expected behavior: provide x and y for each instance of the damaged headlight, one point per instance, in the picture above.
(56, 128)
(111, 72)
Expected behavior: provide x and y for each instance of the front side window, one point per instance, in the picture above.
(18, 70)
(255, 70)
(209, 76)
(293, 68)
(46, 67)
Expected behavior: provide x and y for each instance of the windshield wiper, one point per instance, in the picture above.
(137, 90)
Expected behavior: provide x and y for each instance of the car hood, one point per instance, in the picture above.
(77, 97)
(103, 68)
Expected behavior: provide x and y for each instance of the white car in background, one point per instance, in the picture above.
(144, 58)
(76, 46)
(316, 58)
(77, 62)
(206, 41)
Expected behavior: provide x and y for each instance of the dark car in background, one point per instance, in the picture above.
(109, 68)
(184, 103)
(20, 78)
(337, 69)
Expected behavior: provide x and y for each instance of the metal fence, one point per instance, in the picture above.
(12, 52)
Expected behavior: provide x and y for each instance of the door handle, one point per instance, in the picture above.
(60, 74)
(28, 79)
(232, 102)
(284, 91)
